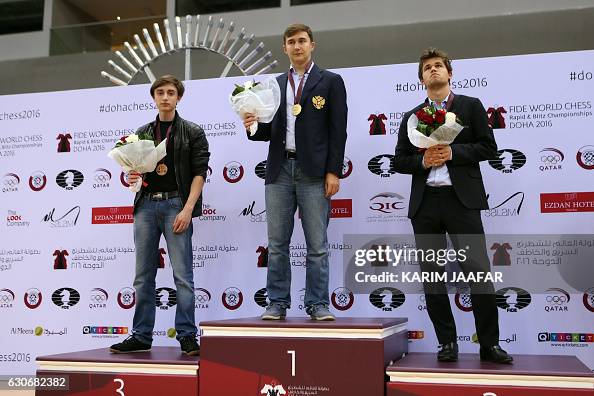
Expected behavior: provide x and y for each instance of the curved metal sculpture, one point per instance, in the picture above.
(232, 48)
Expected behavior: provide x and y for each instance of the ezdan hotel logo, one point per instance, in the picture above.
(341, 208)
(567, 202)
(113, 215)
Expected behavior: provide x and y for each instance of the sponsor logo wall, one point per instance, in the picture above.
(67, 251)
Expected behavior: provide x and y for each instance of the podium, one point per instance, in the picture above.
(298, 356)
(420, 374)
(162, 371)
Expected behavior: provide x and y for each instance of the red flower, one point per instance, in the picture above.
(440, 116)
(424, 117)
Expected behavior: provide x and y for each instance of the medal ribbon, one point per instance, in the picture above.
(297, 96)
(158, 136)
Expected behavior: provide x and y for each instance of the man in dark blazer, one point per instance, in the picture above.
(307, 139)
(447, 195)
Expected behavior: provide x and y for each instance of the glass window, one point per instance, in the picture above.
(192, 7)
(21, 16)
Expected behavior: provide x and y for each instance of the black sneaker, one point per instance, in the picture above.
(189, 346)
(130, 344)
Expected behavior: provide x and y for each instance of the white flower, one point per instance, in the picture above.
(248, 85)
(450, 118)
(131, 138)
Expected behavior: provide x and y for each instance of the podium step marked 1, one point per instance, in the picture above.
(420, 374)
(298, 356)
(162, 371)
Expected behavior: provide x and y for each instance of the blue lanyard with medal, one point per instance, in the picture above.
(161, 167)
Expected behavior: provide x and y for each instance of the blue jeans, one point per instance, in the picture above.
(292, 189)
(151, 219)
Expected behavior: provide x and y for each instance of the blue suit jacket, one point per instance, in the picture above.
(320, 133)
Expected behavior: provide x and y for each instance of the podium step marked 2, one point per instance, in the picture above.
(420, 374)
(162, 371)
(298, 356)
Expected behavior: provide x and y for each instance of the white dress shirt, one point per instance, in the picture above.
(439, 175)
(290, 138)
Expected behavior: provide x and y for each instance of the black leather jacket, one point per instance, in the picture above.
(191, 157)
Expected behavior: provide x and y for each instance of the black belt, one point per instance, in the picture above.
(433, 189)
(161, 196)
(290, 155)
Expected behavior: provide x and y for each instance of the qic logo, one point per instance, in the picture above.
(550, 159)
(387, 298)
(201, 298)
(342, 298)
(126, 298)
(101, 178)
(387, 202)
(508, 160)
(232, 298)
(165, 298)
(233, 172)
(10, 182)
(69, 179)
(382, 165)
(33, 298)
(65, 297)
(512, 299)
(37, 181)
(585, 157)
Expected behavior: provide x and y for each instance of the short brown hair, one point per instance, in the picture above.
(432, 52)
(295, 28)
(168, 79)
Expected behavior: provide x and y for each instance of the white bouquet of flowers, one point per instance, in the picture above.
(139, 154)
(259, 98)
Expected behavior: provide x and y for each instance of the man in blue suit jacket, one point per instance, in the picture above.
(307, 140)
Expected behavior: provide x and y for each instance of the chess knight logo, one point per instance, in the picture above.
(60, 261)
(260, 170)
(508, 160)
(69, 179)
(263, 256)
(261, 297)
(64, 142)
(165, 297)
(381, 165)
(501, 257)
(273, 390)
(512, 299)
(65, 297)
(496, 119)
(386, 298)
(377, 125)
(233, 172)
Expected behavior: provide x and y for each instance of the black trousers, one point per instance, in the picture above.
(441, 211)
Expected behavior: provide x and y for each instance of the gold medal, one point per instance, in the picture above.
(296, 109)
(161, 169)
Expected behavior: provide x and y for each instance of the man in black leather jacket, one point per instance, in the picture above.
(170, 197)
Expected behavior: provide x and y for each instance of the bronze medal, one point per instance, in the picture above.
(161, 169)
(296, 109)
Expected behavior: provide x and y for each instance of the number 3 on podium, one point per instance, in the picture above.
(120, 381)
